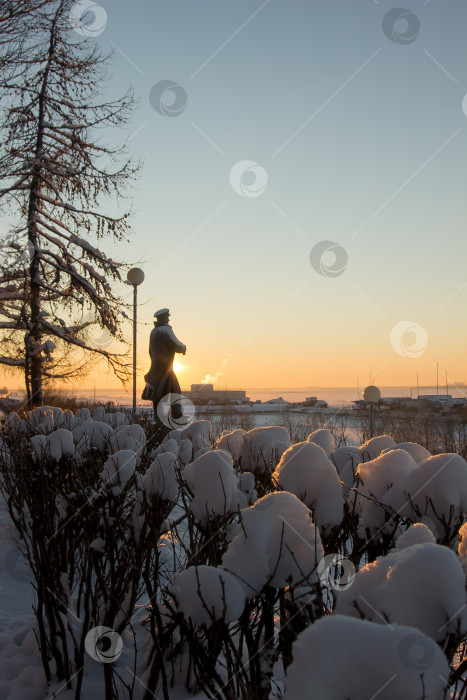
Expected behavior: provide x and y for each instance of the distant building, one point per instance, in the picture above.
(387, 402)
(203, 394)
(201, 390)
(310, 401)
(314, 402)
(433, 399)
(397, 401)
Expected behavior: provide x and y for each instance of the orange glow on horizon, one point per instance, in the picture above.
(267, 365)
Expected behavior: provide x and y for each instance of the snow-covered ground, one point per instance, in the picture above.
(21, 675)
(364, 547)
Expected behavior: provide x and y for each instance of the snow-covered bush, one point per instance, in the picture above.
(247, 483)
(338, 658)
(207, 586)
(373, 447)
(173, 435)
(118, 470)
(128, 437)
(160, 478)
(39, 420)
(422, 585)
(436, 488)
(418, 533)
(231, 442)
(99, 413)
(202, 451)
(100, 435)
(169, 446)
(323, 437)
(38, 444)
(60, 444)
(185, 451)
(82, 435)
(84, 413)
(75, 519)
(346, 461)
(276, 544)
(119, 418)
(375, 479)
(417, 452)
(199, 433)
(262, 449)
(69, 420)
(213, 486)
(306, 471)
(14, 425)
(205, 594)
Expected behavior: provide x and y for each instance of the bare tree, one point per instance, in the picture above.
(55, 174)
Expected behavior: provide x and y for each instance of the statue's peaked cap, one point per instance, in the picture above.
(161, 312)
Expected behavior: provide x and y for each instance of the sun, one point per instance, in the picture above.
(178, 367)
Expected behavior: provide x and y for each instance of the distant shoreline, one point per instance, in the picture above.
(334, 396)
(423, 388)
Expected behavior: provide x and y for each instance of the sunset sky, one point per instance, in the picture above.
(343, 128)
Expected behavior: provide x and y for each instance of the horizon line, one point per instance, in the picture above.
(129, 389)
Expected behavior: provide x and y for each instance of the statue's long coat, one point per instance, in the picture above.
(161, 379)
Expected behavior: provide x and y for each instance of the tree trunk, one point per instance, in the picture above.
(33, 354)
(27, 372)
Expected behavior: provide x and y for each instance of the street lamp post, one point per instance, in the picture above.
(134, 277)
(372, 395)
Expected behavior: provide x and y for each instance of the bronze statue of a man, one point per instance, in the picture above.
(163, 344)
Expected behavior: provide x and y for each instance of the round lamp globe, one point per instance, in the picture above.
(135, 276)
(372, 394)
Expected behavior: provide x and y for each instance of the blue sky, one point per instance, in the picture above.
(362, 140)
